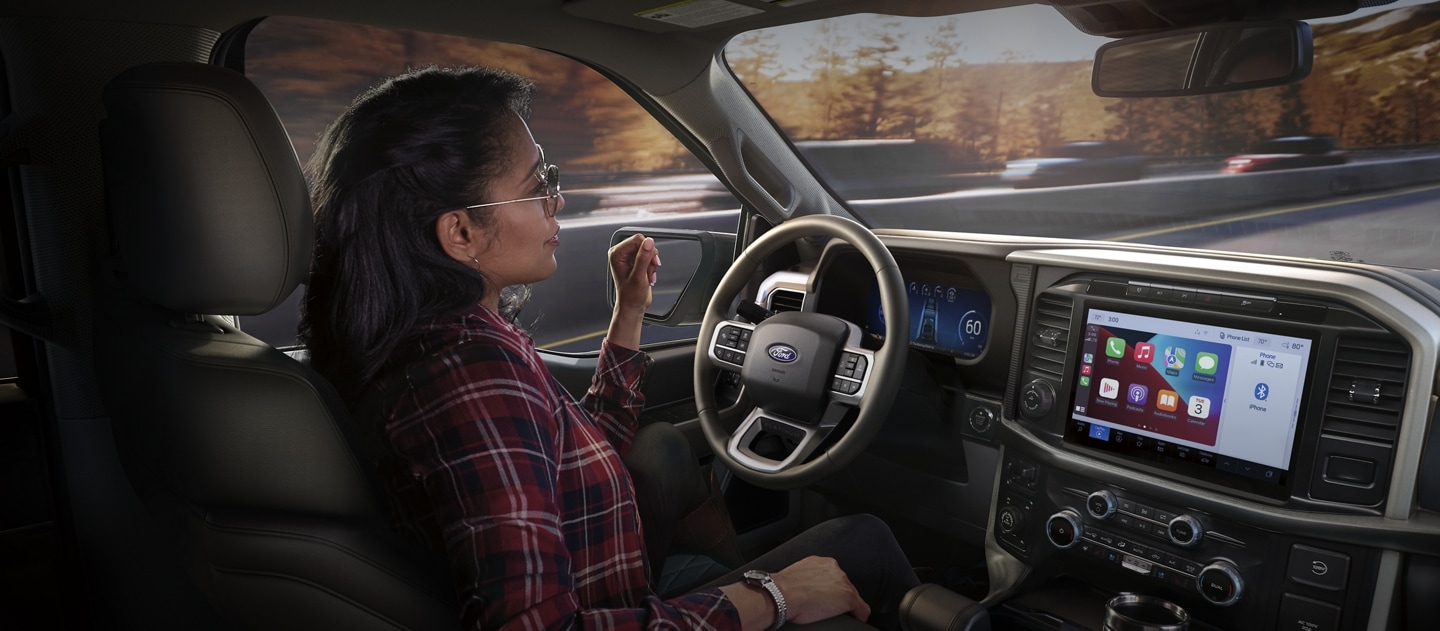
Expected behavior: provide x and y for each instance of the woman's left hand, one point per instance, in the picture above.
(634, 264)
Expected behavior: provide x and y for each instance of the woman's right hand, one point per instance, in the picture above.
(815, 588)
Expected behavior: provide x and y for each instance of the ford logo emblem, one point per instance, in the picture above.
(782, 353)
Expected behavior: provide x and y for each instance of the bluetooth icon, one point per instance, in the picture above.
(1262, 391)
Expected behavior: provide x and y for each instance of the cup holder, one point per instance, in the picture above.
(1139, 612)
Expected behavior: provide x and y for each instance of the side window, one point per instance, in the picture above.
(620, 166)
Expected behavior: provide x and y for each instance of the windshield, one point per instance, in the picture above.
(954, 123)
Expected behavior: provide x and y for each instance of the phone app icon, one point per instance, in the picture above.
(1168, 400)
(1109, 388)
(1138, 394)
(1084, 381)
(1144, 352)
(1115, 347)
(1199, 407)
(1206, 363)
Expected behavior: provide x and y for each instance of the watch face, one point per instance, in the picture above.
(757, 575)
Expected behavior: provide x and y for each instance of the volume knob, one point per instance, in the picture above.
(1100, 504)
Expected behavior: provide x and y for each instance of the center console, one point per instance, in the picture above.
(1276, 401)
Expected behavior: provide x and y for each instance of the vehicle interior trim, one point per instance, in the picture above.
(1418, 326)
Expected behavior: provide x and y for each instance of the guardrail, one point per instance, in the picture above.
(1097, 209)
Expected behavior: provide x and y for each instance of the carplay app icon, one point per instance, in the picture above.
(1109, 388)
(1115, 347)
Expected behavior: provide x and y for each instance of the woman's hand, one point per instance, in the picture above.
(634, 264)
(815, 588)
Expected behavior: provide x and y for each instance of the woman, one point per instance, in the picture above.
(434, 206)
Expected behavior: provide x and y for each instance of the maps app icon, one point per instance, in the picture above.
(1174, 357)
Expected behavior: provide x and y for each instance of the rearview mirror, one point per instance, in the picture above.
(1205, 60)
(692, 264)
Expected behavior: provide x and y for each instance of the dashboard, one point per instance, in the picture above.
(1244, 437)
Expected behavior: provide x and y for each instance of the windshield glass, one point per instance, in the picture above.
(986, 122)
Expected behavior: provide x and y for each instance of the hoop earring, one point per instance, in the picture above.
(477, 263)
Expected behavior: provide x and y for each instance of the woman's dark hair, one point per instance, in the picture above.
(404, 153)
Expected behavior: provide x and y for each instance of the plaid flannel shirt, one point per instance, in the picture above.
(527, 486)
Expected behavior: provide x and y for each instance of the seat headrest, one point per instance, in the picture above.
(209, 211)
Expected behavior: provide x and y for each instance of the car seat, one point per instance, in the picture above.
(245, 458)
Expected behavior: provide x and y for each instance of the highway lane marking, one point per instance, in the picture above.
(1272, 213)
(578, 338)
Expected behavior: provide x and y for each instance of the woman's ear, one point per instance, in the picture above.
(458, 235)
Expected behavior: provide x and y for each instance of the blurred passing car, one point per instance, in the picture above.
(1290, 152)
(1084, 162)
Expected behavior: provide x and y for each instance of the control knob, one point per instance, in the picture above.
(1036, 399)
(1101, 504)
(982, 419)
(1064, 528)
(1220, 583)
(1185, 531)
(1012, 520)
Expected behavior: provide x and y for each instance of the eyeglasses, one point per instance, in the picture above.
(549, 177)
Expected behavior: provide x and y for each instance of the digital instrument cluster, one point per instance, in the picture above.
(946, 318)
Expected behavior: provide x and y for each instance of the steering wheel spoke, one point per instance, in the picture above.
(730, 344)
(799, 439)
(852, 374)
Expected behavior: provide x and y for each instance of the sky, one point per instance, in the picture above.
(1035, 32)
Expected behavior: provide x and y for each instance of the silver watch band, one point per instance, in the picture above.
(762, 579)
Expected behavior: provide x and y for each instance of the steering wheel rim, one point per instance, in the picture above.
(880, 385)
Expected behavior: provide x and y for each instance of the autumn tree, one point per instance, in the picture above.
(870, 89)
(828, 62)
(1294, 117)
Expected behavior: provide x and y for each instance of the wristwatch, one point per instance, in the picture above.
(761, 579)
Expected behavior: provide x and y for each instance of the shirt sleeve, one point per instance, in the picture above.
(616, 395)
(482, 440)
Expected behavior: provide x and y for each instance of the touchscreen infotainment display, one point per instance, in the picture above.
(1214, 401)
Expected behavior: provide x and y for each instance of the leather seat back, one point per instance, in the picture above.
(245, 457)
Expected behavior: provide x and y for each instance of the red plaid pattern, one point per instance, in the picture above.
(527, 486)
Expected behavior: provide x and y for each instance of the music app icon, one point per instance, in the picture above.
(1144, 352)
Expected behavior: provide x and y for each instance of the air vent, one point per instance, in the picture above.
(1363, 408)
(786, 300)
(1050, 335)
(1367, 389)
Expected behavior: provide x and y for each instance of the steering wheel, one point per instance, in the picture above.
(805, 372)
